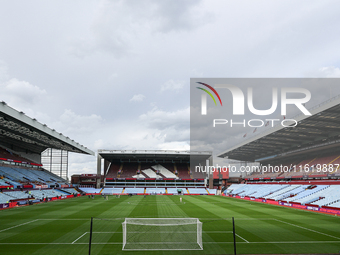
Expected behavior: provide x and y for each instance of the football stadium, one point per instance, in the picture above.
(155, 202)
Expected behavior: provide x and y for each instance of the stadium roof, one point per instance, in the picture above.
(19, 131)
(153, 155)
(313, 133)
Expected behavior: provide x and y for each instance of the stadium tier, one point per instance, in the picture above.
(151, 176)
(18, 176)
(197, 191)
(9, 156)
(173, 190)
(91, 190)
(113, 170)
(151, 191)
(319, 195)
(212, 191)
(134, 190)
(112, 190)
(128, 170)
(147, 170)
(183, 171)
(22, 197)
(155, 190)
(327, 166)
(70, 191)
(4, 184)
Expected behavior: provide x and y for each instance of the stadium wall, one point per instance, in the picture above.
(14, 204)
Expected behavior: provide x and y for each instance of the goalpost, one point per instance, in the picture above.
(162, 234)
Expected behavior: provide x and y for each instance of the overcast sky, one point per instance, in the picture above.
(116, 74)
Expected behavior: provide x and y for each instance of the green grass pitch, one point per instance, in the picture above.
(62, 227)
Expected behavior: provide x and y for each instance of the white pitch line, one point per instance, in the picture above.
(308, 229)
(283, 242)
(242, 238)
(79, 237)
(120, 243)
(109, 232)
(235, 219)
(36, 243)
(65, 219)
(174, 218)
(226, 232)
(18, 225)
(293, 242)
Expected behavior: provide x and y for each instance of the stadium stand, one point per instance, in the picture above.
(34, 194)
(134, 190)
(90, 190)
(292, 192)
(212, 191)
(7, 155)
(163, 171)
(197, 191)
(320, 195)
(128, 170)
(112, 191)
(300, 165)
(113, 171)
(281, 192)
(4, 184)
(143, 170)
(301, 197)
(18, 176)
(40, 194)
(326, 197)
(172, 190)
(155, 190)
(22, 177)
(197, 175)
(17, 194)
(305, 167)
(335, 204)
(4, 198)
(70, 190)
(151, 173)
(183, 171)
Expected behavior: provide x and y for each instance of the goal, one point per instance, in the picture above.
(162, 234)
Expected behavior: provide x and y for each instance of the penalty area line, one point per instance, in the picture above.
(241, 238)
(18, 225)
(307, 229)
(79, 237)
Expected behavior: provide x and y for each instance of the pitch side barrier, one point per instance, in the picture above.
(149, 194)
(314, 208)
(16, 204)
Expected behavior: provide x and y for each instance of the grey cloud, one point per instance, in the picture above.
(183, 15)
(160, 119)
(137, 98)
(118, 25)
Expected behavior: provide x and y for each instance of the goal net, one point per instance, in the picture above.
(162, 234)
